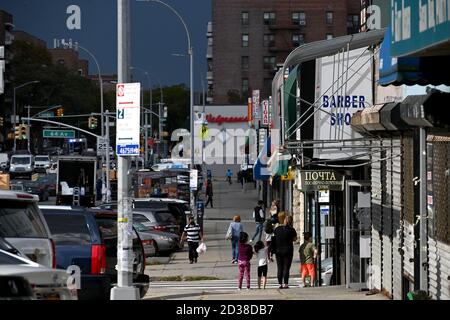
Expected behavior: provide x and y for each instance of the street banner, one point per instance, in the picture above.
(128, 119)
(255, 104)
(250, 111)
(265, 113)
(193, 179)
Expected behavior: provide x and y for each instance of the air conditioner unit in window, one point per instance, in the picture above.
(302, 22)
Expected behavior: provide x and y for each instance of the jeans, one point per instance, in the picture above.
(235, 248)
(284, 262)
(193, 254)
(259, 229)
(244, 268)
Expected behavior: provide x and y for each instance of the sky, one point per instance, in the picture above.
(157, 34)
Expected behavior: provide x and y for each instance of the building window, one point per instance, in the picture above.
(299, 18)
(329, 36)
(353, 24)
(267, 87)
(298, 39)
(244, 18)
(269, 17)
(269, 63)
(329, 17)
(245, 63)
(244, 87)
(61, 62)
(269, 40)
(245, 40)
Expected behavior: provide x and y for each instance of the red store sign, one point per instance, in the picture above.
(220, 119)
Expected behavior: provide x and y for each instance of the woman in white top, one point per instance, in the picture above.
(261, 255)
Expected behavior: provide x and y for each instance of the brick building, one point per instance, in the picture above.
(71, 60)
(28, 38)
(247, 40)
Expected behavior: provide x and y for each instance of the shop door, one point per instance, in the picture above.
(357, 231)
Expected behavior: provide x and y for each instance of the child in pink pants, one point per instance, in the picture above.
(244, 256)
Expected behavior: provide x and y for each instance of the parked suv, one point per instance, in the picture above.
(88, 239)
(22, 225)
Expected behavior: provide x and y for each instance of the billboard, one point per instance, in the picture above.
(343, 87)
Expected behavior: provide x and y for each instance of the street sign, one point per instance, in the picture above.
(193, 179)
(61, 134)
(265, 113)
(46, 115)
(101, 146)
(128, 119)
(255, 104)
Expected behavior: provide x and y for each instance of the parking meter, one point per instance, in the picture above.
(200, 213)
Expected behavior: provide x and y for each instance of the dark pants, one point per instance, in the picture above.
(284, 262)
(210, 200)
(193, 254)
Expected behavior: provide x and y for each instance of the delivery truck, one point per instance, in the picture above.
(76, 178)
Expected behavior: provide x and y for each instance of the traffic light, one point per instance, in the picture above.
(60, 112)
(23, 132)
(92, 122)
(17, 132)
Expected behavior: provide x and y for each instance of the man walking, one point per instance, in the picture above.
(308, 255)
(194, 236)
(229, 175)
(209, 193)
(259, 215)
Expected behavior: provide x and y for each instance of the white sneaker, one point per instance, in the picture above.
(250, 241)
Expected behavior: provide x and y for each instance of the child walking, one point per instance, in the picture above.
(261, 254)
(245, 254)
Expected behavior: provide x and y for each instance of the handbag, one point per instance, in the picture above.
(201, 248)
(229, 233)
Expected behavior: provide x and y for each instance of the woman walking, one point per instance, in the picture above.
(282, 244)
(245, 255)
(234, 230)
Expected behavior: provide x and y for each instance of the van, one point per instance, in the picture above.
(22, 164)
(23, 225)
(4, 162)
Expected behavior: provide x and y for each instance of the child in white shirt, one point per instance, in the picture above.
(261, 255)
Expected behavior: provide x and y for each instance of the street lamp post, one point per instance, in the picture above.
(191, 69)
(14, 103)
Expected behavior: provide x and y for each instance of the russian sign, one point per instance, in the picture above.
(128, 119)
(312, 180)
(340, 99)
(61, 134)
(265, 113)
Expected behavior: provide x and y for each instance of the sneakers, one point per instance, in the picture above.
(250, 241)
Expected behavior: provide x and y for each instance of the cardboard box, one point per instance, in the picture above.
(4, 181)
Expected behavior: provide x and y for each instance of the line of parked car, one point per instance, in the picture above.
(38, 244)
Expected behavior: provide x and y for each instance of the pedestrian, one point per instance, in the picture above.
(261, 254)
(194, 236)
(283, 247)
(274, 212)
(209, 193)
(234, 230)
(308, 256)
(259, 216)
(98, 187)
(268, 230)
(244, 256)
(229, 176)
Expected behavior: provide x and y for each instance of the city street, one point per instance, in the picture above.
(214, 277)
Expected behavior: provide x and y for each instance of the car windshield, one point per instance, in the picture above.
(21, 220)
(21, 160)
(139, 227)
(68, 229)
(42, 158)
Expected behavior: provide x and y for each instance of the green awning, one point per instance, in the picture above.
(290, 91)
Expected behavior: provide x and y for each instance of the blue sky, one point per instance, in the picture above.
(156, 33)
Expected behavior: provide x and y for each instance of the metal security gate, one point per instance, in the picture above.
(376, 184)
(397, 232)
(357, 231)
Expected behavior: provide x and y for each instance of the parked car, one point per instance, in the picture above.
(88, 239)
(23, 225)
(42, 163)
(38, 188)
(163, 242)
(46, 283)
(158, 220)
(8, 247)
(49, 180)
(178, 208)
(149, 245)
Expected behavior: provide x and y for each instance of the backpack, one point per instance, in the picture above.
(257, 215)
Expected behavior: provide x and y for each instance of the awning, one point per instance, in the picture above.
(278, 162)
(290, 103)
(411, 70)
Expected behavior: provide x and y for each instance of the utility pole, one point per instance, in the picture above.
(108, 183)
(124, 289)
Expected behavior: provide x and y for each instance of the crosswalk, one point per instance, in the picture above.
(223, 285)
